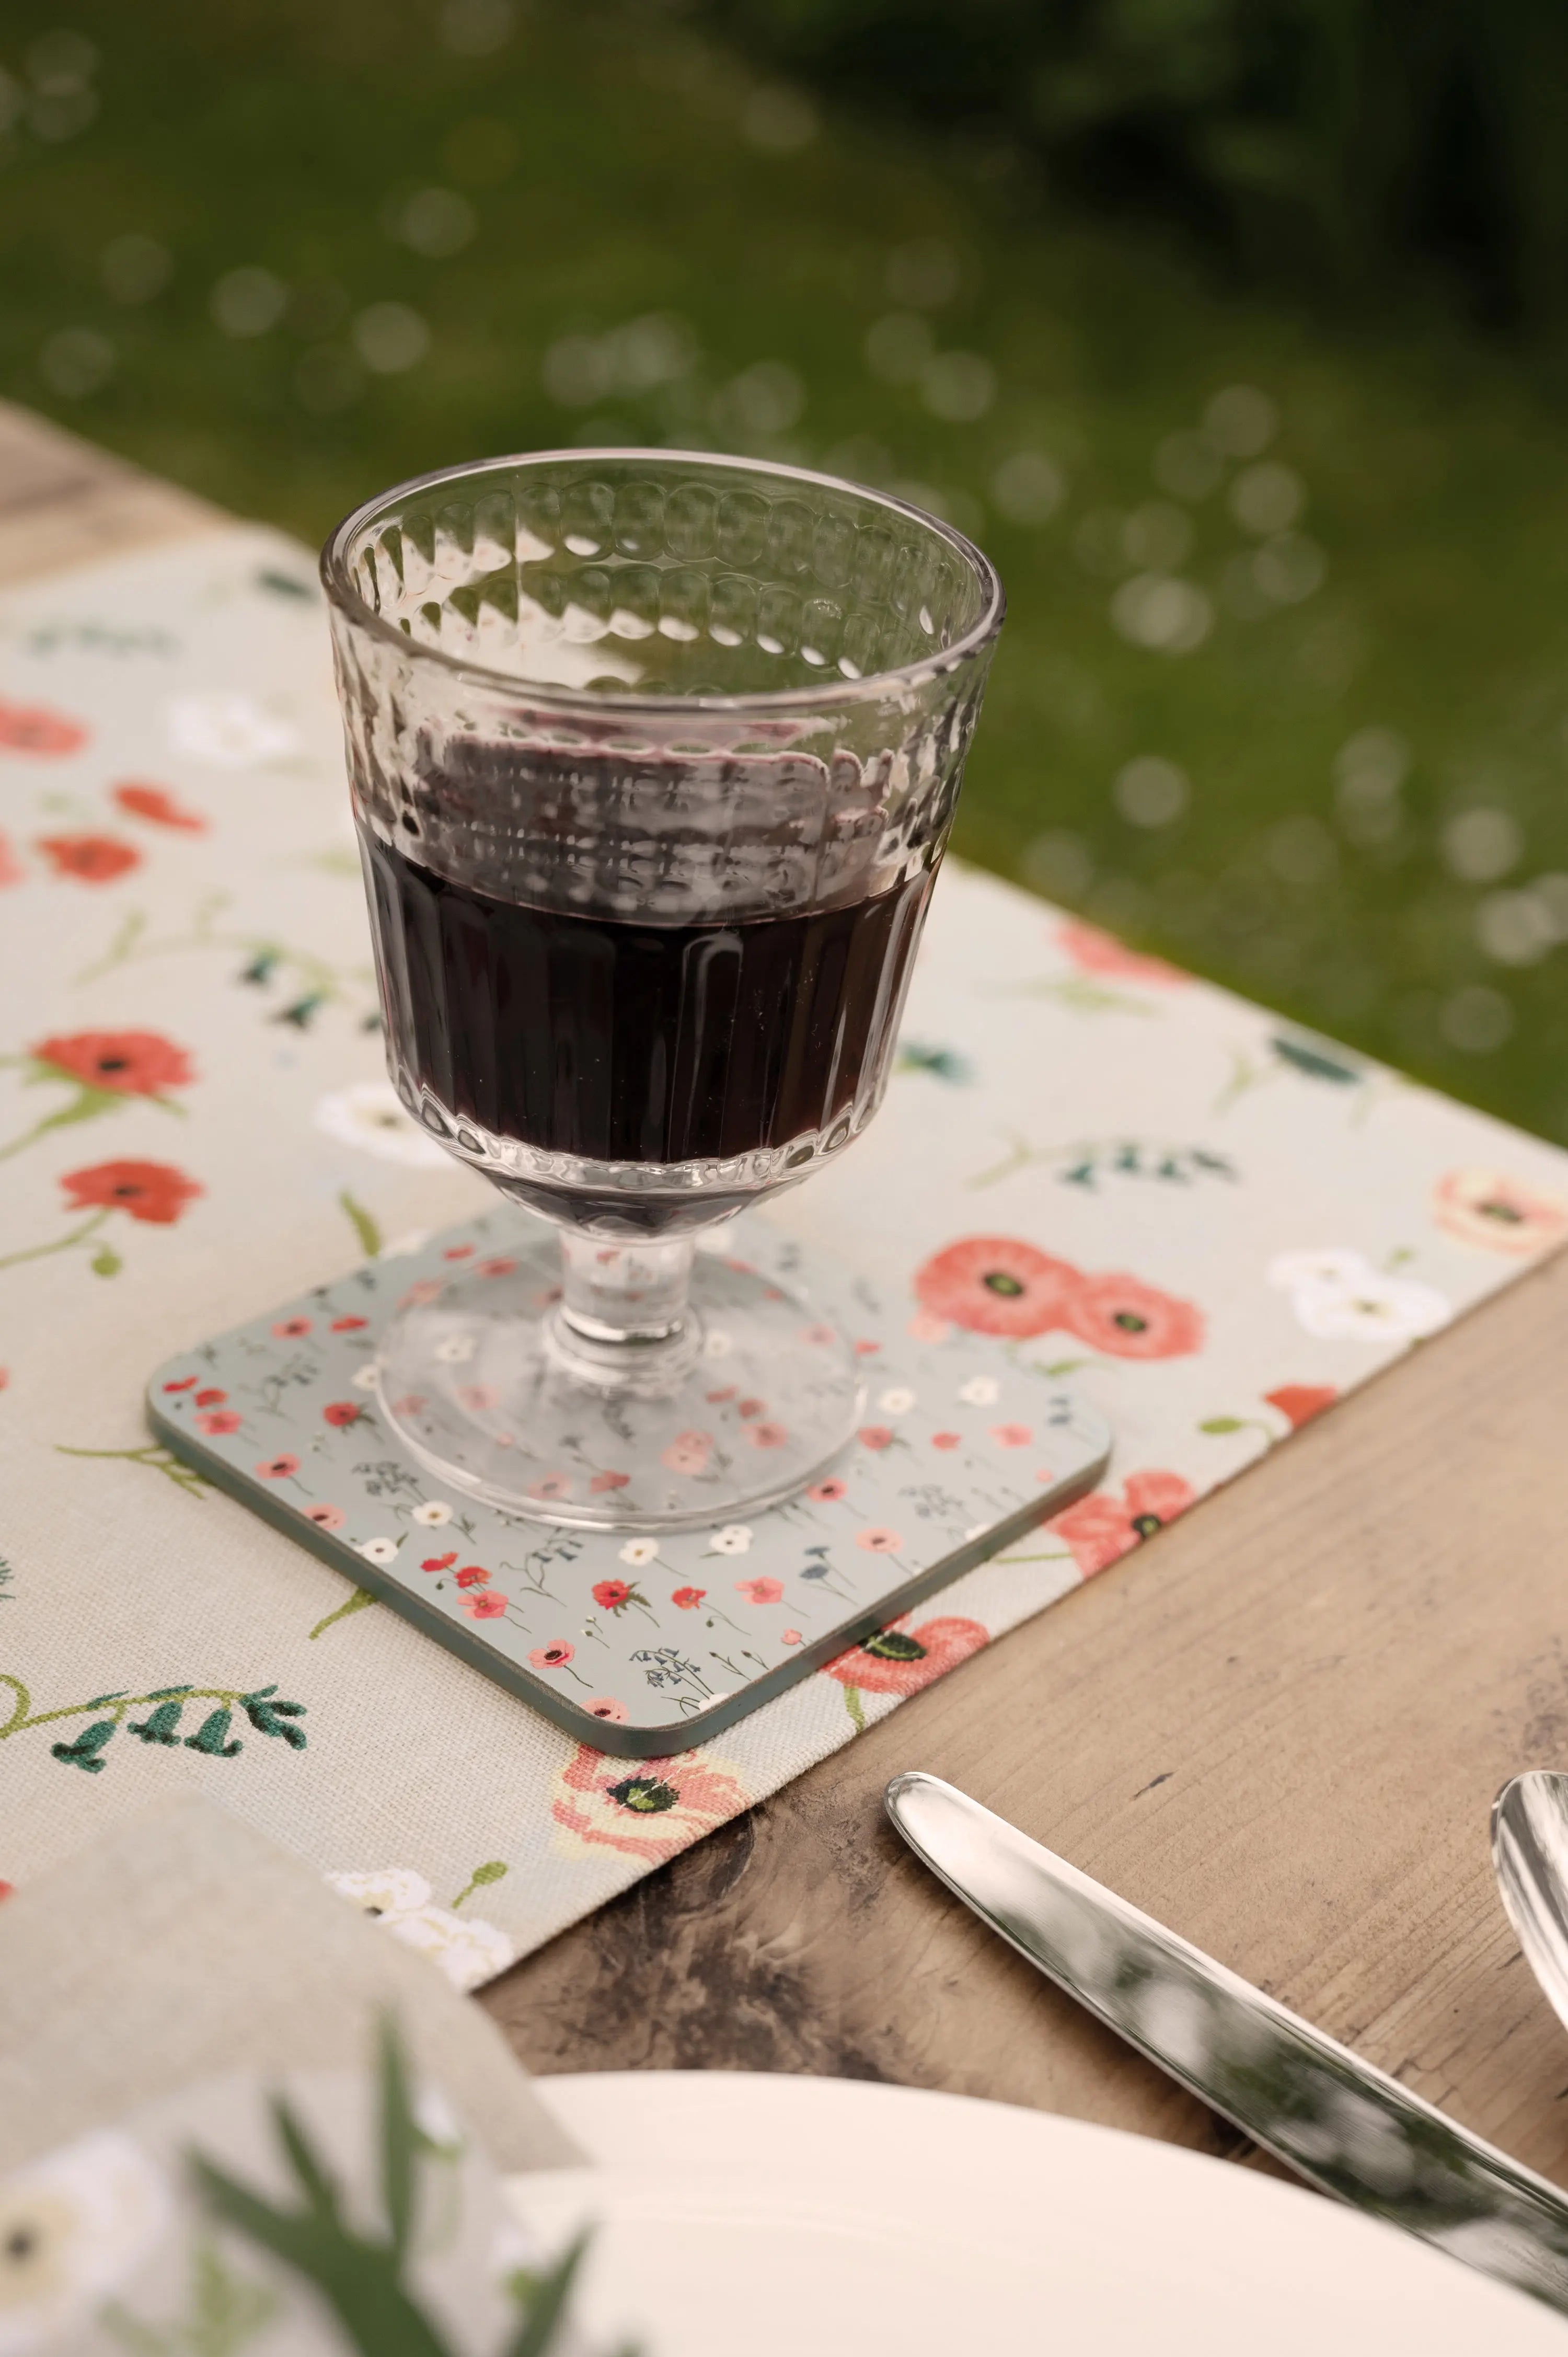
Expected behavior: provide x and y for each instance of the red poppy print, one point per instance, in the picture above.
(130, 1063)
(289, 1330)
(687, 1453)
(552, 1657)
(606, 1706)
(485, 1605)
(186, 1384)
(473, 1574)
(157, 806)
(11, 868)
(879, 1541)
(278, 1468)
(828, 1492)
(874, 1435)
(220, 1420)
(997, 1284)
(658, 1809)
(688, 1599)
(439, 1562)
(1100, 1529)
(765, 1435)
(899, 1660)
(325, 1518)
(33, 728)
(1011, 1436)
(497, 1268)
(152, 1191)
(89, 858)
(603, 1482)
(348, 1324)
(1093, 951)
(550, 1486)
(611, 1593)
(211, 1397)
(1299, 1403)
(760, 1591)
(341, 1413)
(1128, 1319)
(946, 1439)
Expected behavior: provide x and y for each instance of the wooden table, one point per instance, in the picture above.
(1278, 1726)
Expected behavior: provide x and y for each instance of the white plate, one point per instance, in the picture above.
(793, 2217)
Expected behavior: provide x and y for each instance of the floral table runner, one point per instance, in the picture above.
(1210, 1224)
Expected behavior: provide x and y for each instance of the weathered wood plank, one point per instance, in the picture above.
(62, 501)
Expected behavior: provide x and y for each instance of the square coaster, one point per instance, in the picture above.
(640, 1646)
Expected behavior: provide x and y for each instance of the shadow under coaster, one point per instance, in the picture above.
(638, 1646)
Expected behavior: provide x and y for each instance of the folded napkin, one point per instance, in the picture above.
(185, 1944)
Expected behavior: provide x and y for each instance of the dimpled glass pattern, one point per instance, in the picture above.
(654, 755)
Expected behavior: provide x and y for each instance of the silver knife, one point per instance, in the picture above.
(1344, 2125)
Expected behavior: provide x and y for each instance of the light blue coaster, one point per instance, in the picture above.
(640, 1646)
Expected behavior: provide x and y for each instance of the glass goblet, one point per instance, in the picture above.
(654, 755)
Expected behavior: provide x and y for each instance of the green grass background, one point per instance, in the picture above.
(618, 165)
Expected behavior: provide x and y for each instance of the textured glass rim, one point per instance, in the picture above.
(832, 696)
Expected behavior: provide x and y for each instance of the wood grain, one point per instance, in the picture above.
(1279, 1727)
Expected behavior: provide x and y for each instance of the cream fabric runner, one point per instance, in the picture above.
(1214, 1223)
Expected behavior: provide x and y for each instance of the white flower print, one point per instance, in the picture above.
(1340, 1296)
(980, 1390)
(456, 1350)
(364, 1378)
(231, 730)
(431, 1513)
(382, 1551)
(370, 1114)
(734, 1539)
(395, 1890)
(718, 1344)
(639, 1552)
(896, 1402)
(464, 1947)
(404, 1247)
(74, 2224)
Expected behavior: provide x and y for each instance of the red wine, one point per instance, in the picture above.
(621, 1040)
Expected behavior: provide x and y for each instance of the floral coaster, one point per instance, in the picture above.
(643, 1646)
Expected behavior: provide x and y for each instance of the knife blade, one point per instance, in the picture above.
(1340, 2123)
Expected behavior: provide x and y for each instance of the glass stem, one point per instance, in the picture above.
(623, 1314)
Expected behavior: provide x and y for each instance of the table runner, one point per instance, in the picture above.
(1212, 1223)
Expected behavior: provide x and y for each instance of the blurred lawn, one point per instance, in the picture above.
(1283, 689)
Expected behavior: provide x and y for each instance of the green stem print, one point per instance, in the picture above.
(308, 982)
(365, 1228)
(855, 1708)
(184, 1477)
(356, 1602)
(495, 1871)
(105, 1260)
(223, 2312)
(1077, 992)
(164, 1706)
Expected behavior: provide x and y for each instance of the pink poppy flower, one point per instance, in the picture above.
(497, 1268)
(485, 1605)
(946, 1439)
(1100, 1529)
(552, 1657)
(900, 1660)
(278, 1468)
(717, 1399)
(1093, 951)
(33, 728)
(325, 1518)
(288, 1329)
(603, 1482)
(551, 1485)
(687, 1453)
(688, 1599)
(997, 1284)
(924, 1328)
(828, 1492)
(1498, 1214)
(11, 868)
(874, 1435)
(606, 1706)
(760, 1591)
(478, 1398)
(750, 1408)
(789, 1637)
(867, 1350)
(1131, 1320)
(767, 1436)
(879, 1541)
(649, 1810)
(220, 1421)
(1299, 1403)
(458, 1252)
(1011, 1436)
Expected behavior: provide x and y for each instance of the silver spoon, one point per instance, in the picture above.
(1530, 1855)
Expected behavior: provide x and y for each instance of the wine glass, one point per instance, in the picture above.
(654, 754)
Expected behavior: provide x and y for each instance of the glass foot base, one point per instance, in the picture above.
(480, 1381)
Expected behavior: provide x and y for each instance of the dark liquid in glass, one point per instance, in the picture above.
(627, 1042)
